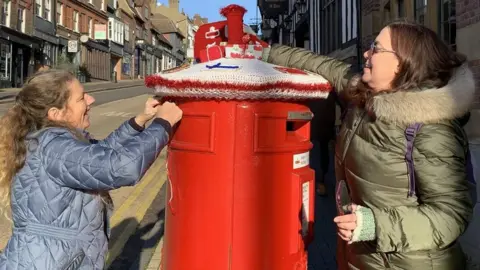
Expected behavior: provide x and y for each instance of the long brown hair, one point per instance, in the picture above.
(425, 61)
(43, 91)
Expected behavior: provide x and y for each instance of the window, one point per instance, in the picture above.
(420, 11)
(38, 7)
(90, 27)
(126, 65)
(145, 35)
(127, 32)
(47, 15)
(146, 13)
(401, 8)
(7, 7)
(331, 19)
(115, 30)
(349, 20)
(59, 13)
(75, 21)
(5, 62)
(21, 20)
(448, 24)
(138, 32)
(47, 54)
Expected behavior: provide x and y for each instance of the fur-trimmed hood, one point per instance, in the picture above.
(452, 101)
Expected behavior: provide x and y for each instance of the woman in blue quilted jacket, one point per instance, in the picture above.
(56, 180)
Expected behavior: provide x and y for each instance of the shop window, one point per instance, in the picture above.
(48, 51)
(5, 64)
(420, 11)
(126, 65)
(447, 22)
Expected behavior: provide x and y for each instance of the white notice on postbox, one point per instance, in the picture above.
(301, 160)
(305, 207)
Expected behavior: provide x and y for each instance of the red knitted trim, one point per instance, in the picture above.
(232, 8)
(153, 81)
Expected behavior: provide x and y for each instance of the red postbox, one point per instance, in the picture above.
(240, 190)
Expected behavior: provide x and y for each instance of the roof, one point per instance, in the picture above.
(165, 25)
(161, 38)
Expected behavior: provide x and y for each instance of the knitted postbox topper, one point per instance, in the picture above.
(236, 72)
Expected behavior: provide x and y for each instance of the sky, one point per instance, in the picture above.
(211, 8)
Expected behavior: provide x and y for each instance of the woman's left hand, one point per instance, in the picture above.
(148, 112)
(346, 224)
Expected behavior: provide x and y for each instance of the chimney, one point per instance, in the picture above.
(234, 14)
(174, 4)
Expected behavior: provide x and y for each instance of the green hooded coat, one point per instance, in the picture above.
(418, 232)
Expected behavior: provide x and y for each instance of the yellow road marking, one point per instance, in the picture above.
(138, 215)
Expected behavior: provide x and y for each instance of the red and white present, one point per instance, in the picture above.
(212, 53)
(243, 51)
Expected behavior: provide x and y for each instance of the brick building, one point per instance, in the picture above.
(17, 46)
(89, 18)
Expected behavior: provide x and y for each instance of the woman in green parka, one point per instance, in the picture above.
(410, 76)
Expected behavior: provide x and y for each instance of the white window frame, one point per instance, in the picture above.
(90, 28)
(60, 13)
(47, 10)
(116, 31)
(76, 23)
(7, 10)
(39, 8)
(21, 12)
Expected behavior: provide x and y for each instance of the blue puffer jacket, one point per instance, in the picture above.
(59, 222)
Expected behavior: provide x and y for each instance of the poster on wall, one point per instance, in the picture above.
(100, 31)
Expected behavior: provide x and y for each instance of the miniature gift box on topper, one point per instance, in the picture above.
(229, 66)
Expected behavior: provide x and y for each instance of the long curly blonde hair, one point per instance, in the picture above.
(43, 91)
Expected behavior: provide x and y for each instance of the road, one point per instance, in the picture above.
(104, 96)
(139, 209)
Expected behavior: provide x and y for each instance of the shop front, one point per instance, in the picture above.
(95, 60)
(116, 55)
(16, 57)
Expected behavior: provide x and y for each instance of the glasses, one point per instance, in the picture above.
(375, 49)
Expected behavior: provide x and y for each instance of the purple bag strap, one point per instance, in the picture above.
(410, 134)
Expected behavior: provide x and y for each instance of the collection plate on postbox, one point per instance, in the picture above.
(299, 116)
